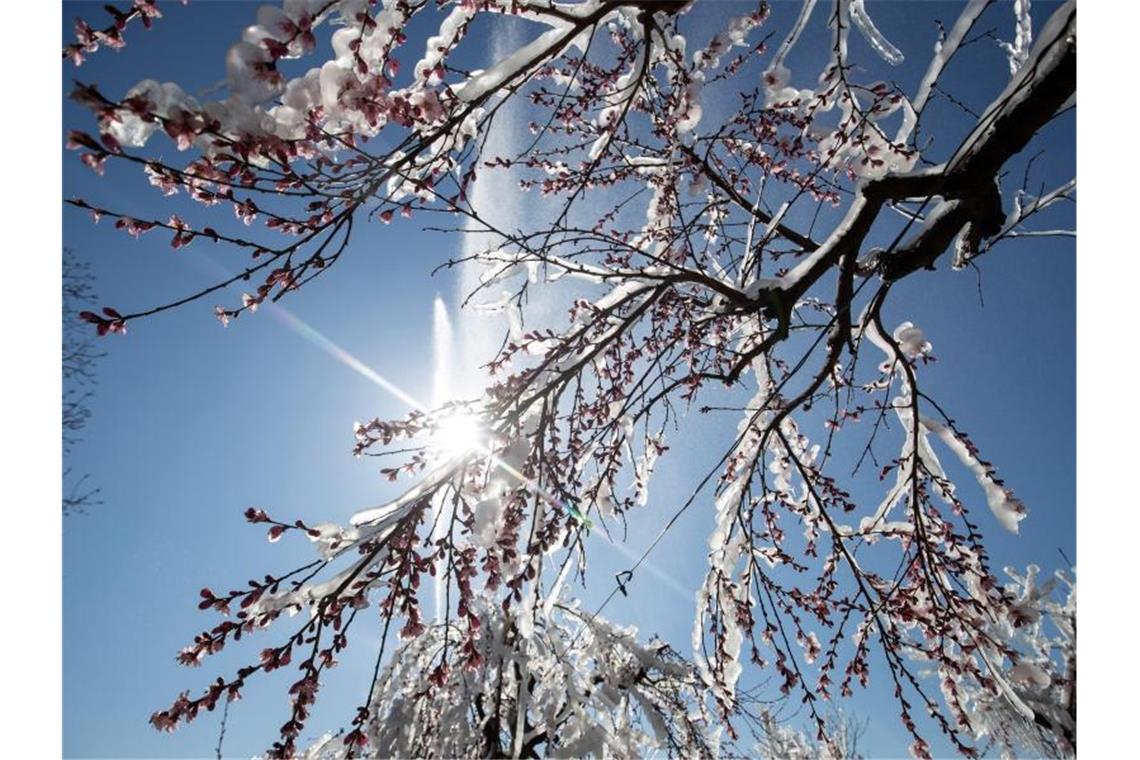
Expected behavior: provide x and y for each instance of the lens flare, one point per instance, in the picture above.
(457, 436)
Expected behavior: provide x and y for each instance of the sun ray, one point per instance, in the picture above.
(457, 436)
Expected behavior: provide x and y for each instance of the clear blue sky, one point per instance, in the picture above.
(193, 423)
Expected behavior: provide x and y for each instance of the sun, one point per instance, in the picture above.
(456, 436)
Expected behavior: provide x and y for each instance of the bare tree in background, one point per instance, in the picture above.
(80, 356)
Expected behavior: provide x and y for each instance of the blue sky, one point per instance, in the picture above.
(193, 423)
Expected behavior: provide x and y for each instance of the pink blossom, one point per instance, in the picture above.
(133, 227)
(148, 9)
(246, 211)
(161, 179)
(112, 38)
(182, 233)
(85, 36)
(182, 127)
(163, 721)
(94, 161)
